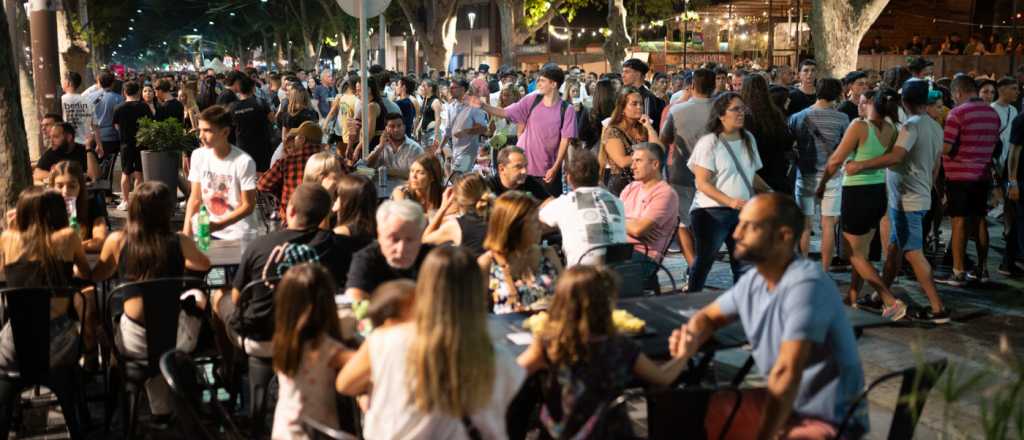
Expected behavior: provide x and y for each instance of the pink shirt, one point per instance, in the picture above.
(660, 204)
(976, 124)
(543, 134)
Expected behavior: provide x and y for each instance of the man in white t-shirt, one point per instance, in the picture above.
(223, 179)
(589, 215)
(77, 108)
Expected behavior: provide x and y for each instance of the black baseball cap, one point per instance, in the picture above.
(918, 64)
(915, 92)
(637, 65)
(853, 76)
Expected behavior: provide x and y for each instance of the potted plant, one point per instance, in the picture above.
(162, 143)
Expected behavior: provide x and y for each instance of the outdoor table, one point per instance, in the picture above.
(662, 315)
(226, 255)
(384, 192)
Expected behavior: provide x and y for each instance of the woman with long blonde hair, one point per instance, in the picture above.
(298, 111)
(439, 376)
(629, 126)
(462, 218)
(520, 271)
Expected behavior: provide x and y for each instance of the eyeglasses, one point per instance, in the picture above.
(740, 109)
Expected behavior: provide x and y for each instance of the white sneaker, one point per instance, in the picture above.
(123, 206)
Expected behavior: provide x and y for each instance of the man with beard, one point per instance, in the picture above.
(791, 313)
(62, 147)
(396, 151)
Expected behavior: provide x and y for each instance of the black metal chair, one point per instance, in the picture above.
(27, 309)
(673, 411)
(917, 382)
(162, 304)
(188, 383)
(639, 277)
(267, 208)
(261, 372)
(104, 184)
(318, 431)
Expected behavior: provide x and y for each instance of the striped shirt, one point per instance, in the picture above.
(976, 125)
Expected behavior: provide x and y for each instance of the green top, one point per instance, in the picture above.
(870, 149)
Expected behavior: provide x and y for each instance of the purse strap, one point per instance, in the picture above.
(736, 162)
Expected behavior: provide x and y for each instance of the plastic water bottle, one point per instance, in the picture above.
(69, 203)
(203, 230)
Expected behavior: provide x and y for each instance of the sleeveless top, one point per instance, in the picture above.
(871, 149)
(174, 265)
(428, 113)
(617, 178)
(542, 286)
(24, 273)
(474, 229)
(381, 122)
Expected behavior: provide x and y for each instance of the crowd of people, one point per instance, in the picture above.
(524, 173)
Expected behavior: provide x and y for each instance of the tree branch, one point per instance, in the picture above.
(544, 19)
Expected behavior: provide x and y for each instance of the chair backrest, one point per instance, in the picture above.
(28, 311)
(318, 431)
(241, 321)
(702, 413)
(635, 273)
(917, 383)
(188, 382)
(161, 305)
(613, 252)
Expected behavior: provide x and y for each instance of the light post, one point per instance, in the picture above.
(472, 19)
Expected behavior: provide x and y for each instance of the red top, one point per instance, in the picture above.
(976, 125)
(286, 174)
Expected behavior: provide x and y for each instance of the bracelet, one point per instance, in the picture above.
(1012, 183)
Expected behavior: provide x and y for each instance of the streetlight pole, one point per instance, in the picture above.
(472, 19)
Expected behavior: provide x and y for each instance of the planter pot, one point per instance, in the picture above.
(161, 166)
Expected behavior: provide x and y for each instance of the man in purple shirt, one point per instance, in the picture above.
(549, 123)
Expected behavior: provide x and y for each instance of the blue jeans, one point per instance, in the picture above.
(710, 227)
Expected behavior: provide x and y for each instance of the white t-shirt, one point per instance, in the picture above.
(78, 111)
(587, 217)
(711, 155)
(1006, 116)
(392, 414)
(222, 182)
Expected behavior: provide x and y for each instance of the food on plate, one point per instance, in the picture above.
(624, 321)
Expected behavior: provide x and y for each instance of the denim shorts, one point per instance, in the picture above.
(906, 231)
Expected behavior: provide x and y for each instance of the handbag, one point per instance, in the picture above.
(736, 163)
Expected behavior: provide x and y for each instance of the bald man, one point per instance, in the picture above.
(793, 316)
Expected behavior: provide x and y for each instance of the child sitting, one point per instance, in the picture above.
(307, 354)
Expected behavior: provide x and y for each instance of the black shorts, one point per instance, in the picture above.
(111, 147)
(862, 207)
(131, 160)
(967, 199)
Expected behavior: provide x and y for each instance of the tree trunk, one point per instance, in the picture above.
(437, 38)
(17, 25)
(14, 163)
(345, 52)
(279, 40)
(616, 43)
(508, 37)
(837, 27)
